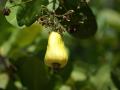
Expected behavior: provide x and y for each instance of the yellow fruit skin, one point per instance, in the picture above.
(56, 51)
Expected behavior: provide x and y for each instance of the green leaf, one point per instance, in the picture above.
(66, 72)
(115, 72)
(11, 18)
(11, 85)
(66, 5)
(3, 80)
(33, 74)
(69, 4)
(27, 35)
(53, 5)
(5, 29)
(30, 11)
(20, 39)
(81, 23)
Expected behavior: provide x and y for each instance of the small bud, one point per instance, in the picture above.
(56, 55)
(6, 11)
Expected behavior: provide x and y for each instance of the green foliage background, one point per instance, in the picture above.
(94, 63)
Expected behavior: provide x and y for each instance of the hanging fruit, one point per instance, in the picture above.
(56, 55)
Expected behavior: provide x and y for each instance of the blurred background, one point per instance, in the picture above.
(94, 63)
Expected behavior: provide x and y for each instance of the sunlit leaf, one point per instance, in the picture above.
(21, 38)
